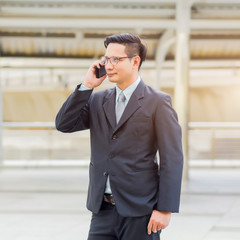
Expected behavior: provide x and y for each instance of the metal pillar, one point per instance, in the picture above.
(1, 120)
(164, 43)
(181, 93)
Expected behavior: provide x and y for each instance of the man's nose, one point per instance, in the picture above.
(108, 65)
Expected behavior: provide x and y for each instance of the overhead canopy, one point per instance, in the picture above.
(77, 28)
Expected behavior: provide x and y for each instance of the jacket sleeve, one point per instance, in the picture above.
(74, 113)
(169, 140)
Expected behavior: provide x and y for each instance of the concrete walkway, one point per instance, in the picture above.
(49, 204)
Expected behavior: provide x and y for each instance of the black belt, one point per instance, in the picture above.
(108, 198)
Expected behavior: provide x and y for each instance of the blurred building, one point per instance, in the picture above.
(46, 48)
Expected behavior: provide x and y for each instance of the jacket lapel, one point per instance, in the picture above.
(109, 107)
(132, 106)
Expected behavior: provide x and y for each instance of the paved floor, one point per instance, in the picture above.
(49, 204)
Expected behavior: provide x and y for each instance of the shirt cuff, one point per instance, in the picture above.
(83, 88)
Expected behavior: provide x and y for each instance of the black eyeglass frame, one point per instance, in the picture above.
(115, 58)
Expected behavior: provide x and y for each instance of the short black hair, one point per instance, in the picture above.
(134, 45)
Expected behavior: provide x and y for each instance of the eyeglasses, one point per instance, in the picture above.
(113, 60)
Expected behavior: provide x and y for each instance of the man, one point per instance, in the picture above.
(130, 195)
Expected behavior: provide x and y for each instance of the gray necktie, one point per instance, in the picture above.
(120, 106)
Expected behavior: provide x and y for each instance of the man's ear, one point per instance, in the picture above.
(136, 61)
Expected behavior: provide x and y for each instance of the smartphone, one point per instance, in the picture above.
(100, 71)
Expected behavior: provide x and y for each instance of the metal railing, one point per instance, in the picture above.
(36, 144)
(214, 144)
(211, 144)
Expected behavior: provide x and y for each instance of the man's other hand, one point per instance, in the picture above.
(159, 220)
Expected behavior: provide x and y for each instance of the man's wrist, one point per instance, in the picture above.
(164, 212)
(87, 85)
(84, 88)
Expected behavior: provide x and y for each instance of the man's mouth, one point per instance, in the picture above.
(110, 74)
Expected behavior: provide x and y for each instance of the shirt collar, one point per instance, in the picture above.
(128, 91)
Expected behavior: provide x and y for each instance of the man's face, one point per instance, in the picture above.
(123, 71)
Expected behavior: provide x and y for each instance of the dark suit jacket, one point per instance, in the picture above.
(126, 152)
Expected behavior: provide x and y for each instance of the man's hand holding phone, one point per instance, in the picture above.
(93, 79)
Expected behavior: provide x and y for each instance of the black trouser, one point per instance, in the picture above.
(109, 225)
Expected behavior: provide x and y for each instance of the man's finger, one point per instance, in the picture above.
(155, 227)
(150, 227)
(159, 227)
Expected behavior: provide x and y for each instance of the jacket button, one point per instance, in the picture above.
(105, 174)
(111, 155)
(114, 137)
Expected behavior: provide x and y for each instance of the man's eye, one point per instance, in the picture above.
(115, 59)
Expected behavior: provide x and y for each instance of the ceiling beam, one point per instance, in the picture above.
(112, 23)
(215, 24)
(226, 2)
(92, 1)
(87, 12)
(28, 63)
(86, 23)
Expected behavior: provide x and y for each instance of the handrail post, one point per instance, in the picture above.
(213, 147)
(1, 119)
